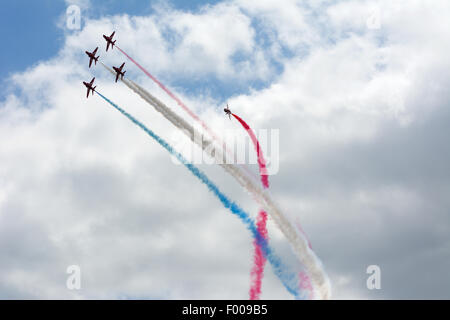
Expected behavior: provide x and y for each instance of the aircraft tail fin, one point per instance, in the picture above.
(123, 74)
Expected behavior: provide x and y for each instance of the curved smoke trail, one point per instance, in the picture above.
(257, 272)
(298, 242)
(259, 153)
(287, 278)
(258, 269)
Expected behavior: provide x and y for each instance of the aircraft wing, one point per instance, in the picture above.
(122, 66)
(117, 76)
(107, 46)
(92, 81)
(112, 35)
(87, 96)
(95, 51)
(90, 62)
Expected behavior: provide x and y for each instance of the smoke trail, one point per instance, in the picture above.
(259, 153)
(305, 284)
(287, 278)
(174, 97)
(257, 272)
(259, 269)
(299, 226)
(185, 108)
(298, 242)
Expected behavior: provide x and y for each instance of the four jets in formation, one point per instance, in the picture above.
(92, 57)
(119, 73)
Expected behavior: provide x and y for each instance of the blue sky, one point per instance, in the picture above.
(29, 28)
(30, 32)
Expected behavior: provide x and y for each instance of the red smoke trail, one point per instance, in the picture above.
(257, 272)
(261, 161)
(305, 284)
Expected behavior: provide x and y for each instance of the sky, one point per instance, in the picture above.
(358, 91)
(32, 33)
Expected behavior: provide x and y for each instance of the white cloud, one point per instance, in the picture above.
(183, 44)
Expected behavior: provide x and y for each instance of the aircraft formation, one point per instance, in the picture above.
(120, 73)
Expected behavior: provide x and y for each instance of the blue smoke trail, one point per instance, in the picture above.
(288, 279)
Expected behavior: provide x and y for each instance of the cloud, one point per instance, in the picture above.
(362, 114)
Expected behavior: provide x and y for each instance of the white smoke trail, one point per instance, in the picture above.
(299, 244)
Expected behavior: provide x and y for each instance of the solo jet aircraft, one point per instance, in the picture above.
(90, 87)
(109, 41)
(92, 57)
(227, 111)
(119, 72)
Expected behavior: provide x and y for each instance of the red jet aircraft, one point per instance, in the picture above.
(89, 87)
(119, 71)
(109, 41)
(227, 111)
(92, 57)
